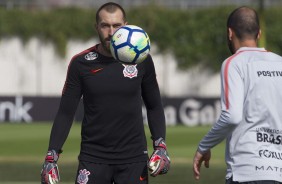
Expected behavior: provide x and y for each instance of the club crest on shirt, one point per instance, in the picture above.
(91, 56)
(82, 178)
(130, 71)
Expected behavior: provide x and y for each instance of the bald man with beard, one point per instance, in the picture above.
(251, 113)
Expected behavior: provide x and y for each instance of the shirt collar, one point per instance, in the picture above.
(250, 49)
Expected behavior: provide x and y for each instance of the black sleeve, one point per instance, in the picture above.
(152, 100)
(68, 105)
(63, 122)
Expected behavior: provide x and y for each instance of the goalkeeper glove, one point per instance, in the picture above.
(50, 170)
(159, 162)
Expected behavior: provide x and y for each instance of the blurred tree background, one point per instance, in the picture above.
(194, 36)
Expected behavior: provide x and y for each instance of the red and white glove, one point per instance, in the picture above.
(159, 162)
(50, 170)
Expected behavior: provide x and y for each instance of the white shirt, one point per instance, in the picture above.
(251, 116)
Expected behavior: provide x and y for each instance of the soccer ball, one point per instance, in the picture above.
(130, 44)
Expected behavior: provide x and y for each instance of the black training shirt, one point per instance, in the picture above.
(112, 127)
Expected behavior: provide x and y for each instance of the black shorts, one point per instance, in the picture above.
(93, 173)
(230, 181)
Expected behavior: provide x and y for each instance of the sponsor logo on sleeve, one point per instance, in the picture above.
(91, 56)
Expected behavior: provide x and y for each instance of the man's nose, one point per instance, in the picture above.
(112, 30)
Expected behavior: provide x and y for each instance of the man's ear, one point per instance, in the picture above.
(230, 34)
(259, 34)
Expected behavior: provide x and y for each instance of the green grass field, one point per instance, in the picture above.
(23, 148)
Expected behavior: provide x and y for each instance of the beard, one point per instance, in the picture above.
(231, 46)
(105, 43)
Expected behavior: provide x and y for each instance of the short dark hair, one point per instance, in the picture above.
(110, 7)
(244, 21)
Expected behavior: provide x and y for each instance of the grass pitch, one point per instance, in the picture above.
(23, 148)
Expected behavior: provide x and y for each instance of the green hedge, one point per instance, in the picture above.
(194, 36)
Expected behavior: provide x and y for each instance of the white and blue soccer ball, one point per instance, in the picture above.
(130, 44)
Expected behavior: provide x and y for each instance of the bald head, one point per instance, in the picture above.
(244, 22)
